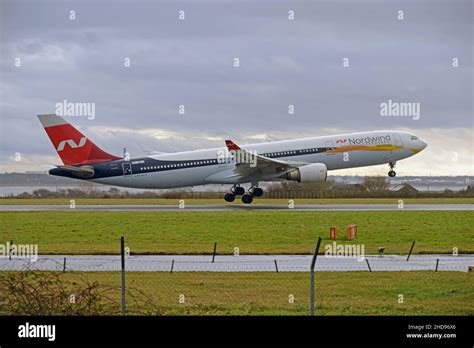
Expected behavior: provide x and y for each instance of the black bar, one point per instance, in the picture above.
(137, 330)
(214, 252)
(64, 265)
(437, 262)
(172, 266)
(368, 264)
(276, 266)
(10, 251)
(411, 249)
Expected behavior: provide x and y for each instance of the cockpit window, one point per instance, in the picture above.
(414, 138)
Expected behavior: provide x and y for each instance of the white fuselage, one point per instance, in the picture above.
(336, 152)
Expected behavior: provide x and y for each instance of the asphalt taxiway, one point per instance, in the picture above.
(230, 207)
(242, 263)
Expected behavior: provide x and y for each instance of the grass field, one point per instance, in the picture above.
(337, 293)
(159, 201)
(253, 232)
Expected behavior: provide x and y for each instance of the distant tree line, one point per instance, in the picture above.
(372, 187)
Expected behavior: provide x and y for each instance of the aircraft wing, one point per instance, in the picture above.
(258, 166)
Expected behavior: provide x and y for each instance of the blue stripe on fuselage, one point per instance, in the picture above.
(149, 165)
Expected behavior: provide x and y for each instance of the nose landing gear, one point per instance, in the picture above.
(392, 173)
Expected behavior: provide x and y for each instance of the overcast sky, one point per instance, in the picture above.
(191, 62)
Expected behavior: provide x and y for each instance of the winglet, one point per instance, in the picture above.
(231, 146)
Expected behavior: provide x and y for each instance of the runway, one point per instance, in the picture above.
(239, 207)
(243, 263)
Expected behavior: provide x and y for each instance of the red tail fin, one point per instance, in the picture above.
(72, 146)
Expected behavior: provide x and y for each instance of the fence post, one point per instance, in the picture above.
(313, 263)
(214, 252)
(122, 253)
(172, 266)
(411, 249)
(368, 264)
(64, 265)
(276, 266)
(437, 262)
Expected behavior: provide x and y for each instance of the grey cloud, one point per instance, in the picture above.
(190, 62)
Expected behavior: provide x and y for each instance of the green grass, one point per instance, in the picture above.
(337, 293)
(163, 201)
(253, 232)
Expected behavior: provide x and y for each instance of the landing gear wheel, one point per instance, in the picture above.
(392, 173)
(257, 192)
(229, 197)
(238, 190)
(247, 199)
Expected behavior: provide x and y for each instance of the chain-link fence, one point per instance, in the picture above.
(35, 292)
(212, 284)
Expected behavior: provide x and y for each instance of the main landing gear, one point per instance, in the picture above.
(392, 173)
(236, 191)
(254, 191)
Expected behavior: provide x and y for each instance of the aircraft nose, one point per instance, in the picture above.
(423, 144)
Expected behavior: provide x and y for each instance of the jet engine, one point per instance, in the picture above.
(309, 173)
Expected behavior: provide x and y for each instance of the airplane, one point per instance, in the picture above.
(302, 160)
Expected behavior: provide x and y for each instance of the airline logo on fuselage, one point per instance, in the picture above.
(71, 143)
(381, 139)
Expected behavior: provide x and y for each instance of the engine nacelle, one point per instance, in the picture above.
(309, 173)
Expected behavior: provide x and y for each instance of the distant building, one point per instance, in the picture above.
(407, 189)
(350, 187)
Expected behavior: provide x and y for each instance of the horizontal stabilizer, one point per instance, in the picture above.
(82, 171)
